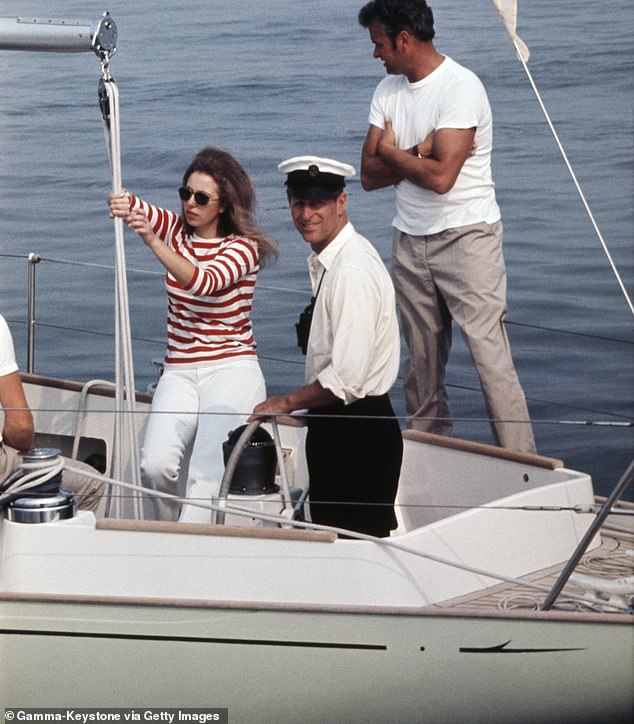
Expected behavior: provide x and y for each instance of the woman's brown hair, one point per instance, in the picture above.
(237, 194)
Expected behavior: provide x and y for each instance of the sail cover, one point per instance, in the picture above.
(508, 13)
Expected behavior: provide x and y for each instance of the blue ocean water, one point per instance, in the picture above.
(272, 79)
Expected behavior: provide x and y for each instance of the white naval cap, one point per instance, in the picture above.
(313, 177)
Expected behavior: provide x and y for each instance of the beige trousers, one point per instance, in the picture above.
(458, 275)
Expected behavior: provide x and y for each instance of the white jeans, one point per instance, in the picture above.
(197, 408)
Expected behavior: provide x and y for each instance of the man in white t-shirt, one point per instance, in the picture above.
(430, 137)
(17, 431)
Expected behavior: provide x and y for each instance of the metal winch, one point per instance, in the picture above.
(254, 473)
(39, 497)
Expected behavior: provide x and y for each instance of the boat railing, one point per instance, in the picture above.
(46, 320)
(32, 322)
(226, 531)
(479, 448)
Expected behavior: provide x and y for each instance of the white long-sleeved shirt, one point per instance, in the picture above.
(354, 344)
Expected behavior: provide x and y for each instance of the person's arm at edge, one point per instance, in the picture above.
(17, 430)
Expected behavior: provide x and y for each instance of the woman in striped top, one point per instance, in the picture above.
(211, 252)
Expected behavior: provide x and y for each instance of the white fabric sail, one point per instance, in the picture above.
(508, 13)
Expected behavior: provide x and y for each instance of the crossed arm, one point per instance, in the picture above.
(433, 164)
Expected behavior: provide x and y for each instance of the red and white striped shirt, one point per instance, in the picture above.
(208, 320)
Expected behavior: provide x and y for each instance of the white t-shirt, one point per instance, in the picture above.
(7, 352)
(354, 346)
(450, 97)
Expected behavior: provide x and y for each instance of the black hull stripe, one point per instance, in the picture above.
(501, 649)
(496, 650)
(194, 639)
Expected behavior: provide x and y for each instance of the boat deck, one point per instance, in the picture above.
(613, 559)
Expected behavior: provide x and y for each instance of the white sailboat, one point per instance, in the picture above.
(458, 616)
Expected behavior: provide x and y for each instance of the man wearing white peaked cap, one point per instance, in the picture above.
(350, 336)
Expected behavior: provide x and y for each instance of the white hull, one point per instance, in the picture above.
(282, 625)
(293, 664)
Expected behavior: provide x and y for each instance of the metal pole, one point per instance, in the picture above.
(30, 341)
(231, 464)
(57, 35)
(618, 491)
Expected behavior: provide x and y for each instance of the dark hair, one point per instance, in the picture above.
(415, 16)
(237, 194)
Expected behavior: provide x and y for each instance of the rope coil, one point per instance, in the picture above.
(31, 474)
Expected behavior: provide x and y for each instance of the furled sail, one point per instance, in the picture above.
(508, 13)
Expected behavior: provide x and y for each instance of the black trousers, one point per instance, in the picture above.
(354, 465)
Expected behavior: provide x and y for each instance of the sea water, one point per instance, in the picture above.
(269, 79)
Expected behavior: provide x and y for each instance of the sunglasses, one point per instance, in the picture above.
(199, 197)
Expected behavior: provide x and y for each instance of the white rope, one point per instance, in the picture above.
(125, 437)
(521, 57)
(30, 475)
